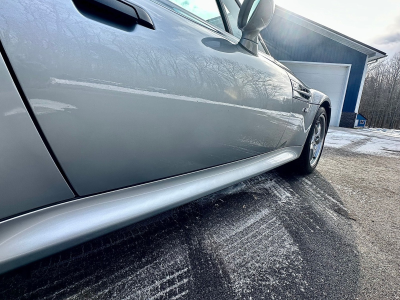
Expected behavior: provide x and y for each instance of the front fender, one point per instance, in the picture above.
(302, 117)
(318, 98)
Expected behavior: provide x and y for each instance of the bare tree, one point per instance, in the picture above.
(380, 102)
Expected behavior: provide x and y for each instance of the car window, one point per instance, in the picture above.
(204, 9)
(232, 10)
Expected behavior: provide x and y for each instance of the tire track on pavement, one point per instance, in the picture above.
(274, 236)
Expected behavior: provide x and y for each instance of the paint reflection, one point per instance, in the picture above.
(139, 62)
(134, 106)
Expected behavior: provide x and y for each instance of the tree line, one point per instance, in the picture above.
(380, 101)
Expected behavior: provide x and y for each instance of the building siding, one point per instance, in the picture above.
(287, 40)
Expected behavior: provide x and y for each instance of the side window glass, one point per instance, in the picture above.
(204, 9)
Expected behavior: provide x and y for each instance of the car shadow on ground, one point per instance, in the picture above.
(275, 236)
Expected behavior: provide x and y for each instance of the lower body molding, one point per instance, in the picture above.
(40, 233)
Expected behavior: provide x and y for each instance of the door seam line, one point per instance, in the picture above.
(31, 113)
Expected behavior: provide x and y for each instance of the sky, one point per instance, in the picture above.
(376, 23)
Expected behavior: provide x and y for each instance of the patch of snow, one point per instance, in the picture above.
(383, 131)
(340, 139)
(372, 141)
(377, 146)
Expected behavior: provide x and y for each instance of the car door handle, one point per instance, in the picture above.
(117, 8)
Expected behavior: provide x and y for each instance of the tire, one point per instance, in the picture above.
(312, 150)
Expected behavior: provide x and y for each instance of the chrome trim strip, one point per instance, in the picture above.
(35, 235)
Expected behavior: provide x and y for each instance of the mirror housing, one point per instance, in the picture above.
(254, 16)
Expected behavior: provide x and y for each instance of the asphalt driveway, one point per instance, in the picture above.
(332, 235)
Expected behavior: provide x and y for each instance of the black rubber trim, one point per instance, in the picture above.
(224, 17)
(33, 117)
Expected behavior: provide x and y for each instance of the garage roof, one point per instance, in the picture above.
(371, 52)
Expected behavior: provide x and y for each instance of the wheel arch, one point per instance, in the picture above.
(328, 110)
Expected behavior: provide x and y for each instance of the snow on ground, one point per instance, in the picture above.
(383, 131)
(340, 139)
(373, 141)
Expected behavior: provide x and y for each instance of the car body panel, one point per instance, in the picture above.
(302, 114)
(32, 236)
(120, 108)
(29, 177)
(319, 98)
(299, 123)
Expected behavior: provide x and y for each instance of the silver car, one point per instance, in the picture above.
(115, 110)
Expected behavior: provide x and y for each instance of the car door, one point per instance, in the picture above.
(122, 103)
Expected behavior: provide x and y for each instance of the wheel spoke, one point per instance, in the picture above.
(311, 154)
(317, 140)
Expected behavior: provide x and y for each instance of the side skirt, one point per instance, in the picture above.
(40, 233)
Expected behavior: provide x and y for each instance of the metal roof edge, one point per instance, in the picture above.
(370, 51)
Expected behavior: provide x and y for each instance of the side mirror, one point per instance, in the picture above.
(254, 16)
